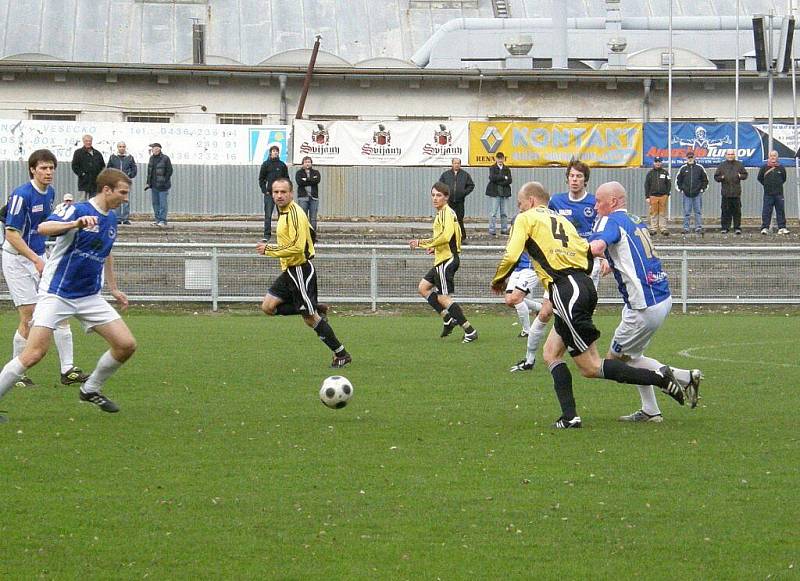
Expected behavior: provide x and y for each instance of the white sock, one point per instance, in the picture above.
(10, 375)
(19, 343)
(106, 367)
(646, 392)
(63, 338)
(534, 338)
(533, 305)
(524, 315)
(684, 376)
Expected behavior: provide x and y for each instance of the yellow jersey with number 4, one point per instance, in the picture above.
(552, 242)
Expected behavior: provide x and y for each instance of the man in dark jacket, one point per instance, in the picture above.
(772, 176)
(657, 187)
(307, 180)
(730, 174)
(692, 182)
(499, 190)
(87, 163)
(159, 181)
(272, 169)
(124, 162)
(461, 185)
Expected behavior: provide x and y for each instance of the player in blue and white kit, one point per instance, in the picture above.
(625, 242)
(24, 259)
(521, 284)
(71, 284)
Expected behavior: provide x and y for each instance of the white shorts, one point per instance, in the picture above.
(524, 280)
(637, 328)
(22, 279)
(596, 274)
(91, 311)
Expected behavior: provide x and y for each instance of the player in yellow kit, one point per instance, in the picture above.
(294, 292)
(438, 284)
(563, 262)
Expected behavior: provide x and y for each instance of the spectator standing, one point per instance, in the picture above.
(159, 182)
(692, 182)
(499, 189)
(307, 180)
(657, 187)
(461, 185)
(772, 176)
(272, 169)
(123, 161)
(730, 174)
(87, 163)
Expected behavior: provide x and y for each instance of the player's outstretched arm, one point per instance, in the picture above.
(598, 247)
(57, 227)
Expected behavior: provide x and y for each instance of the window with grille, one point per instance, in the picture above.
(147, 118)
(239, 119)
(53, 116)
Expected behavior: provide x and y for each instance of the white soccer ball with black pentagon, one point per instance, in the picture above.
(336, 391)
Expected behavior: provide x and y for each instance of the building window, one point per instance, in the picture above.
(53, 116)
(239, 119)
(148, 117)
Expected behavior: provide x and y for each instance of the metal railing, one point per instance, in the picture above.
(373, 274)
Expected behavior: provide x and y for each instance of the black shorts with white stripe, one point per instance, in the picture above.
(574, 299)
(297, 285)
(443, 275)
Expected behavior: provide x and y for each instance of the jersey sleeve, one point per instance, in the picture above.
(447, 224)
(606, 230)
(299, 233)
(17, 210)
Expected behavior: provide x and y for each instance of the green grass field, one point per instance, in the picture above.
(223, 463)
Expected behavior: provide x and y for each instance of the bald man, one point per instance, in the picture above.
(624, 241)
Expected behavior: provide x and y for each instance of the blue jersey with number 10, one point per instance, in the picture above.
(75, 268)
(630, 253)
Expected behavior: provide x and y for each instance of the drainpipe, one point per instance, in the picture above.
(282, 79)
(648, 83)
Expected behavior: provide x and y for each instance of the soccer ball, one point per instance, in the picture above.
(336, 391)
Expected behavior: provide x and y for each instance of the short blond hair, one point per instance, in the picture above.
(536, 191)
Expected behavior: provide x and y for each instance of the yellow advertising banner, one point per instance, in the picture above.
(533, 144)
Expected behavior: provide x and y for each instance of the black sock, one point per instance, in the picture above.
(433, 301)
(287, 309)
(324, 331)
(562, 383)
(623, 373)
(455, 311)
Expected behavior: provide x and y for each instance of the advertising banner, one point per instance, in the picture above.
(533, 144)
(783, 141)
(184, 143)
(709, 141)
(403, 143)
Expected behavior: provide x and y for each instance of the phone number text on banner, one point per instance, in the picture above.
(531, 144)
(401, 143)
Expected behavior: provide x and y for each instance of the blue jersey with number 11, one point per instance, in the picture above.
(630, 253)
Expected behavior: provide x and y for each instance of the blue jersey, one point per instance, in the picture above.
(27, 208)
(630, 253)
(581, 212)
(524, 258)
(75, 268)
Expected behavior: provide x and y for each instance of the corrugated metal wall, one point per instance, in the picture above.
(373, 191)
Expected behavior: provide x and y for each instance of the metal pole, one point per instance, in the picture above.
(307, 81)
(373, 279)
(770, 78)
(214, 279)
(669, 112)
(684, 280)
(736, 98)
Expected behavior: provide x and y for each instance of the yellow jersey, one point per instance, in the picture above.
(553, 243)
(294, 245)
(446, 236)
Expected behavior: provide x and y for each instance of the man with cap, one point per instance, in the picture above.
(692, 182)
(67, 201)
(159, 181)
(657, 187)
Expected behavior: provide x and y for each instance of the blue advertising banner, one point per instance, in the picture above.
(709, 141)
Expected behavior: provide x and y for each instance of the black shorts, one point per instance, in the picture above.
(297, 285)
(442, 276)
(574, 299)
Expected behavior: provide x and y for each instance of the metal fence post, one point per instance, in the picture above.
(214, 278)
(684, 280)
(373, 279)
